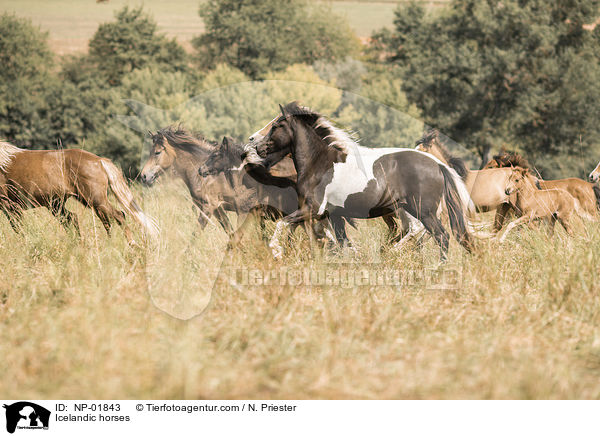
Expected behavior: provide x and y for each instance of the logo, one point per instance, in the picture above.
(26, 415)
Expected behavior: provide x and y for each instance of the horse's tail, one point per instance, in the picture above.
(597, 194)
(458, 165)
(121, 190)
(458, 203)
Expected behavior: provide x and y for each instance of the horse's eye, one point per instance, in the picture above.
(157, 152)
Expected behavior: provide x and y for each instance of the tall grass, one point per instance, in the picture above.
(80, 318)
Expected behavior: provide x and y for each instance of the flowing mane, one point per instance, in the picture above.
(433, 138)
(7, 151)
(510, 159)
(325, 129)
(181, 139)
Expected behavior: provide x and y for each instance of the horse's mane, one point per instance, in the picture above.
(7, 151)
(433, 137)
(182, 139)
(510, 159)
(325, 129)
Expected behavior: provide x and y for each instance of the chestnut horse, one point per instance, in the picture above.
(47, 178)
(586, 193)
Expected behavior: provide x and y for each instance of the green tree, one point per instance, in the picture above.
(132, 42)
(490, 73)
(26, 63)
(257, 36)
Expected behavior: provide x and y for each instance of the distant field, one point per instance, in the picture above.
(71, 23)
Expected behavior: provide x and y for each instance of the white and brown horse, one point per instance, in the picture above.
(337, 177)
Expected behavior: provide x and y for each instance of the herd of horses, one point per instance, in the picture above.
(300, 169)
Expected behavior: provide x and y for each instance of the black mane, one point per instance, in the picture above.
(323, 126)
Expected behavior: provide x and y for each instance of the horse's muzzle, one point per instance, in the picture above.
(148, 180)
(262, 151)
(593, 177)
(205, 172)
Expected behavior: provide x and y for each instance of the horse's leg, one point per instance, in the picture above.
(414, 229)
(339, 230)
(105, 211)
(512, 225)
(501, 213)
(564, 221)
(435, 227)
(58, 207)
(302, 214)
(221, 216)
(394, 234)
(14, 215)
(237, 234)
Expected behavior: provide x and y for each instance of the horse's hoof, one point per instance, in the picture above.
(277, 253)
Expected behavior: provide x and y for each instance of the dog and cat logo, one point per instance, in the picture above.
(26, 415)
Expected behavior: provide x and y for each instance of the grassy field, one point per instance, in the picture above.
(71, 23)
(81, 318)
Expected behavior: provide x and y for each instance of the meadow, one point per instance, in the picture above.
(89, 318)
(71, 23)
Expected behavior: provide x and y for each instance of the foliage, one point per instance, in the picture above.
(132, 42)
(498, 72)
(26, 63)
(257, 36)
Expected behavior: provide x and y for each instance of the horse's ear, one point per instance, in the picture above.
(282, 109)
(226, 142)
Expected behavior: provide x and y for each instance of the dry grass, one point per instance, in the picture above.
(78, 320)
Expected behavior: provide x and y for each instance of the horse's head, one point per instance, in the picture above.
(260, 134)
(517, 179)
(162, 157)
(430, 143)
(278, 141)
(595, 174)
(221, 159)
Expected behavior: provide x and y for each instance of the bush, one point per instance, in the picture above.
(132, 42)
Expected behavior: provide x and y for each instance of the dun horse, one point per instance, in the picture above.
(337, 177)
(47, 178)
(487, 186)
(549, 204)
(176, 148)
(586, 194)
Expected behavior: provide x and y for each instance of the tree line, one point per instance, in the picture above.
(517, 74)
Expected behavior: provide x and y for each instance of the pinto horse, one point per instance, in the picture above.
(337, 177)
(228, 159)
(47, 178)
